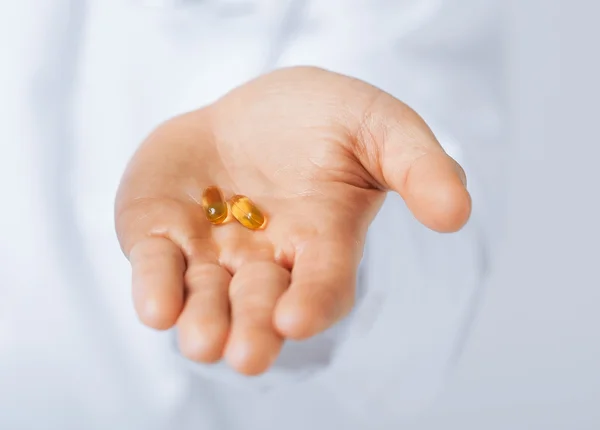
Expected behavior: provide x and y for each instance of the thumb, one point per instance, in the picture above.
(400, 151)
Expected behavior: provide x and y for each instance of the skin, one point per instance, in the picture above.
(317, 152)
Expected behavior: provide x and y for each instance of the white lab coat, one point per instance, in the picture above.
(84, 82)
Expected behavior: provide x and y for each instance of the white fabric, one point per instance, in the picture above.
(84, 82)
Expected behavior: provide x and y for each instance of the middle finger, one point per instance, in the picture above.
(253, 343)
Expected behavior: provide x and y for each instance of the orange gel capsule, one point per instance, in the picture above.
(246, 212)
(215, 206)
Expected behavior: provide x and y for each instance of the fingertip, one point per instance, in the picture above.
(298, 320)
(291, 323)
(202, 344)
(243, 355)
(157, 312)
(435, 192)
(448, 209)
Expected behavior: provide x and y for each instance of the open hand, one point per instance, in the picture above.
(316, 151)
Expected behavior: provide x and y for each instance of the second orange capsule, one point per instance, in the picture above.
(247, 213)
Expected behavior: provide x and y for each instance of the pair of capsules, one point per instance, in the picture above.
(217, 209)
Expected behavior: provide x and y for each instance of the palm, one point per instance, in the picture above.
(228, 288)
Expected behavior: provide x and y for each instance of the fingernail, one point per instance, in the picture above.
(461, 174)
